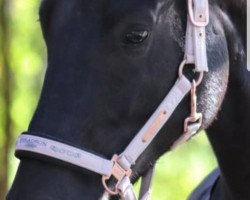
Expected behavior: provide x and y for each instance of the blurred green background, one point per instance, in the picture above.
(22, 67)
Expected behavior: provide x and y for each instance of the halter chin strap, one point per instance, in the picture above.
(119, 167)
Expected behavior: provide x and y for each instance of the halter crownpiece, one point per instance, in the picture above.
(119, 167)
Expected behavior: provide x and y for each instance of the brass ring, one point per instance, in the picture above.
(181, 67)
(111, 192)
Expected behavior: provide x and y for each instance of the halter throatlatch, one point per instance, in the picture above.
(119, 167)
(196, 54)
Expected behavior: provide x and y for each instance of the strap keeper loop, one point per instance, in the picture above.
(198, 12)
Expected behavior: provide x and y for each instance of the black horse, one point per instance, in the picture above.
(110, 63)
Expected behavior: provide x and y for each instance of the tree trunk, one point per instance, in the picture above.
(5, 79)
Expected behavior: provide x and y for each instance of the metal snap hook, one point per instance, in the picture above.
(194, 118)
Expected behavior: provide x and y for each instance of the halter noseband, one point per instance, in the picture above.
(119, 167)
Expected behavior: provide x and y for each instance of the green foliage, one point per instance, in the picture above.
(27, 65)
(177, 172)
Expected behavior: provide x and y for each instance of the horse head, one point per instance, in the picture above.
(110, 64)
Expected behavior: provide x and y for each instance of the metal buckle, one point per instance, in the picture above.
(204, 15)
(118, 173)
(194, 116)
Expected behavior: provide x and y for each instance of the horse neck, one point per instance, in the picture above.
(230, 138)
(230, 134)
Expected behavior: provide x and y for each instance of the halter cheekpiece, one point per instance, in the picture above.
(119, 167)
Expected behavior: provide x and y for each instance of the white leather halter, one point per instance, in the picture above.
(119, 167)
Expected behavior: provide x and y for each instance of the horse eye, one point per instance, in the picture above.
(136, 37)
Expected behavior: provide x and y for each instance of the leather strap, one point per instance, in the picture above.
(63, 152)
(189, 48)
(155, 123)
(196, 51)
(146, 184)
(192, 131)
(84, 159)
(126, 190)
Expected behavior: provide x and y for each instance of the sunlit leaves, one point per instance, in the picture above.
(27, 64)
